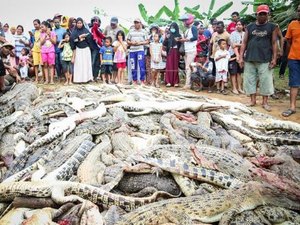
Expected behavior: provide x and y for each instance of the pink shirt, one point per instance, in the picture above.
(24, 60)
(48, 47)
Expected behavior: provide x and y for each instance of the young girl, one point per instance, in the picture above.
(222, 57)
(24, 63)
(48, 40)
(67, 55)
(157, 63)
(120, 49)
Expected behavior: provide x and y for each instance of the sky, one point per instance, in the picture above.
(22, 12)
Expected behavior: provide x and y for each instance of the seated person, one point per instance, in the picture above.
(8, 74)
(202, 75)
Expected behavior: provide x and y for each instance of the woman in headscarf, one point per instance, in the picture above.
(71, 24)
(81, 40)
(172, 44)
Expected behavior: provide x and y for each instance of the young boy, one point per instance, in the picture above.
(222, 57)
(106, 60)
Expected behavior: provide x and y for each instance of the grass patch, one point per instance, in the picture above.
(281, 84)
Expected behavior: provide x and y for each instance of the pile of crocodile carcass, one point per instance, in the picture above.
(138, 155)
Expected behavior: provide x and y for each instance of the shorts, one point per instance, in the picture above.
(24, 71)
(255, 71)
(48, 58)
(37, 58)
(115, 67)
(234, 68)
(67, 66)
(294, 69)
(121, 65)
(106, 69)
(2, 69)
(204, 80)
(221, 76)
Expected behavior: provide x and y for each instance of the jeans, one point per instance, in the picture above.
(58, 66)
(137, 59)
(95, 62)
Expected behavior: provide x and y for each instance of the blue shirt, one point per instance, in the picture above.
(107, 55)
(207, 34)
(59, 36)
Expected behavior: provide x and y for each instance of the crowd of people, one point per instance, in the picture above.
(72, 50)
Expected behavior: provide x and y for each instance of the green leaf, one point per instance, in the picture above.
(143, 12)
(244, 10)
(176, 10)
(168, 12)
(221, 10)
(196, 7)
(211, 7)
(126, 30)
(194, 12)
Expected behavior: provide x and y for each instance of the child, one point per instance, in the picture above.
(222, 57)
(67, 55)
(48, 40)
(106, 60)
(24, 63)
(120, 48)
(157, 63)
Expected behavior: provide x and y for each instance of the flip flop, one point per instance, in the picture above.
(267, 108)
(288, 113)
(250, 104)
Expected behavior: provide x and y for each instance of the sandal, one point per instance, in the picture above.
(267, 108)
(218, 91)
(168, 85)
(235, 92)
(176, 85)
(224, 92)
(288, 113)
(250, 104)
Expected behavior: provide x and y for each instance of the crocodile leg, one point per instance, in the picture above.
(58, 196)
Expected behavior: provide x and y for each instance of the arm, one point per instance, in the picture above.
(243, 48)
(74, 56)
(61, 44)
(220, 57)
(43, 39)
(53, 38)
(274, 48)
(100, 59)
(281, 40)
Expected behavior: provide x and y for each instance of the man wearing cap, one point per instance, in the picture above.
(7, 80)
(111, 30)
(137, 38)
(293, 48)
(261, 53)
(202, 74)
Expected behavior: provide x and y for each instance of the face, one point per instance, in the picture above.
(201, 59)
(113, 25)
(220, 29)
(74, 23)
(23, 52)
(36, 25)
(19, 30)
(239, 26)
(137, 25)
(67, 37)
(156, 37)
(107, 43)
(153, 31)
(234, 18)
(79, 24)
(214, 27)
(13, 30)
(43, 28)
(120, 37)
(6, 50)
(5, 28)
(223, 45)
(57, 23)
(201, 30)
(262, 17)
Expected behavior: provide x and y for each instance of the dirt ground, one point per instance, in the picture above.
(278, 105)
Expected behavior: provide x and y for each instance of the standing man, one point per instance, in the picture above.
(293, 48)
(261, 53)
(111, 31)
(59, 31)
(235, 16)
(137, 38)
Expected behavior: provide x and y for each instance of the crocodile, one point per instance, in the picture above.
(65, 171)
(91, 166)
(98, 128)
(62, 192)
(132, 183)
(220, 206)
(8, 120)
(147, 107)
(194, 172)
(122, 143)
(18, 89)
(6, 110)
(276, 214)
(229, 123)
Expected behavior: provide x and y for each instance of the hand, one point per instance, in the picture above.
(18, 78)
(272, 64)
(73, 60)
(30, 33)
(237, 58)
(241, 62)
(22, 41)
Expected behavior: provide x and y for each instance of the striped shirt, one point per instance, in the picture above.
(18, 45)
(139, 36)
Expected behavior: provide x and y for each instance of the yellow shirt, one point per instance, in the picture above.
(37, 43)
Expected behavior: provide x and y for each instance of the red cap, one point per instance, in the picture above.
(262, 8)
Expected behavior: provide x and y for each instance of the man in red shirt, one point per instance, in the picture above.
(235, 16)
